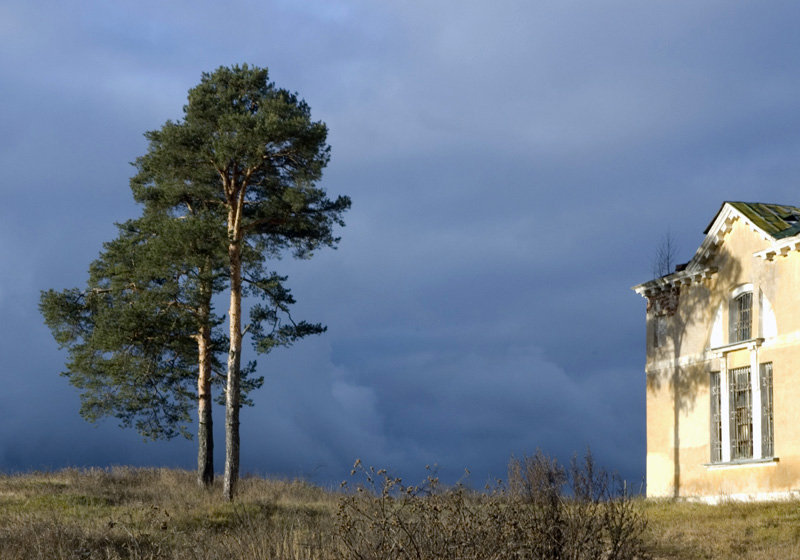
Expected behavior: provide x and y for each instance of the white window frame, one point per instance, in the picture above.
(715, 408)
(762, 449)
(742, 424)
(733, 314)
(767, 412)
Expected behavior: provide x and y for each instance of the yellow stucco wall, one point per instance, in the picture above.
(678, 399)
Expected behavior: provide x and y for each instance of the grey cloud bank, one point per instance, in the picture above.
(512, 167)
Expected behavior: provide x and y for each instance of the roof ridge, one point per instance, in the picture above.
(775, 220)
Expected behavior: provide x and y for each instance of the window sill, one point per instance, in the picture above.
(765, 462)
(752, 342)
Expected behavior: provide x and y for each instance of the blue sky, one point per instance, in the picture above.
(512, 167)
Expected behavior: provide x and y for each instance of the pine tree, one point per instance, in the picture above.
(143, 332)
(249, 153)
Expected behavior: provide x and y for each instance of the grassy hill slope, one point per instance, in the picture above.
(160, 513)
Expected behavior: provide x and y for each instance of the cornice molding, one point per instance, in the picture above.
(674, 280)
(780, 248)
(721, 226)
(696, 269)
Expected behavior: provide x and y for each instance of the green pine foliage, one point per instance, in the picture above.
(246, 143)
(247, 156)
(131, 333)
(224, 192)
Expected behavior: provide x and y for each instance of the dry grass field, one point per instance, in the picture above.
(160, 513)
(757, 531)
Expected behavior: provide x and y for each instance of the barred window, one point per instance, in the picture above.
(716, 417)
(741, 426)
(737, 422)
(741, 317)
(767, 424)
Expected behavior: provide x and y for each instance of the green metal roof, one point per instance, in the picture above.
(777, 220)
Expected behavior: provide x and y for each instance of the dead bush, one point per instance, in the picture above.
(545, 511)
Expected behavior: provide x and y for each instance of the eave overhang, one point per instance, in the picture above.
(719, 228)
(776, 224)
(674, 280)
(780, 248)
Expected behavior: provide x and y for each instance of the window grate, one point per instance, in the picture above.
(767, 423)
(741, 414)
(741, 317)
(716, 417)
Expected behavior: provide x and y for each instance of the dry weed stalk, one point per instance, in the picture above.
(530, 517)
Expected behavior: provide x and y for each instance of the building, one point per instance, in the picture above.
(723, 361)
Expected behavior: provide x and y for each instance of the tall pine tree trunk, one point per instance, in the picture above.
(233, 390)
(205, 427)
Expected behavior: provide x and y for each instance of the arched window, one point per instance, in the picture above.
(741, 317)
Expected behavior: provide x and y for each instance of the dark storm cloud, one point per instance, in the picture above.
(512, 167)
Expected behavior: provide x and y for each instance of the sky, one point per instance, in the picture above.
(512, 165)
